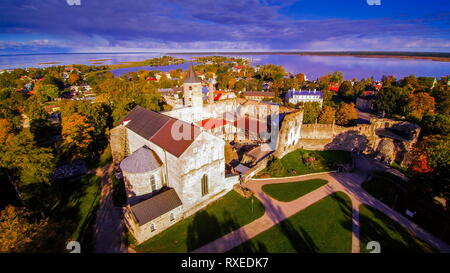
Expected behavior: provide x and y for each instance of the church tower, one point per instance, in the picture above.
(192, 89)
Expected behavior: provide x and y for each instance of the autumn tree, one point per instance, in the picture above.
(5, 131)
(23, 232)
(420, 104)
(346, 114)
(326, 116)
(73, 78)
(77, 135)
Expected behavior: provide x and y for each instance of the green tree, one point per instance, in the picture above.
(311, 112)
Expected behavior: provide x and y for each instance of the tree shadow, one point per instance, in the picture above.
(349, 141)
(205, 228)
(373, 231)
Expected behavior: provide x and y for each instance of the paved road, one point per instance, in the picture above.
(276, 211)
(108, 226)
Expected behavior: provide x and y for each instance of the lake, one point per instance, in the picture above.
(312, 66)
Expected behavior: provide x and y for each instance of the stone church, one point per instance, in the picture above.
(173, 162)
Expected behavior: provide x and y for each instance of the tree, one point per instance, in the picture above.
(420, 104)
(74, 78)
(47, 92)
(77, 134)
(337, 77)
(311, 112)
(431, 163)
(326, 116)
(346, 114)
(435, 124)
(5, 131)
(391, 100)
(21, 231)
(346, 89)
(32, 165)
(271, 72)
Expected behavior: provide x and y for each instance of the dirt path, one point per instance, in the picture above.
(108, 226)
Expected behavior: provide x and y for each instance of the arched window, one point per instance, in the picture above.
(204, 185)
(152, 227)
(172, 217)
(153, 182)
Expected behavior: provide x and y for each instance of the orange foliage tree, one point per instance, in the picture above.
(77, 134)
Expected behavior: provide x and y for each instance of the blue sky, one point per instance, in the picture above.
(35, 26)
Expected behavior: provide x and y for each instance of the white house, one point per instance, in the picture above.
(297, 96)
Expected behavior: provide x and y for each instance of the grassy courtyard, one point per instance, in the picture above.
(392, 191)
(219, 218)
(323, 227)
(393, 238)
(287, 192)
(80, 200)
(302, 161)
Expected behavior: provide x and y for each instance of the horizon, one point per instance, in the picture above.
(203, 26)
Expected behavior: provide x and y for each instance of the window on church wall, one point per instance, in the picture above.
(204, 183)
(172, 217)
(153, 183)
(152, 227)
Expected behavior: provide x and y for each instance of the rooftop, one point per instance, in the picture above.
(156, 206)
(142, 160)
(157, 128)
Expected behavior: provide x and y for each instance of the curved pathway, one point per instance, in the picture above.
(276, 211)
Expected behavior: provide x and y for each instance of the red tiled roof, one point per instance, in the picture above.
(157, 128)
(212, 123)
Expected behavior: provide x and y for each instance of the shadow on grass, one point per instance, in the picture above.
(205, 227)
(392, 237)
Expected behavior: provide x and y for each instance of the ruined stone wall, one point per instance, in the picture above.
(289, 133)
(362, 137)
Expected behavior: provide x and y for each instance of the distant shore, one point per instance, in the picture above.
(435, 56)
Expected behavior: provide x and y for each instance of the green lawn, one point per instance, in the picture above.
(287, 192)
(296, 162)
(79, 201)
(219, 218)
(323, 227)
(391, 191)
(376, 226)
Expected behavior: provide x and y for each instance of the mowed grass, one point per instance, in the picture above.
(393, 238)
(323, 227)
(290, 191)
(219, 218)
(393, 192)
(80, 200)
(294, 164)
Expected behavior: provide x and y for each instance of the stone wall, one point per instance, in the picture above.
(363, 138)
(289, 133)
(118, 141)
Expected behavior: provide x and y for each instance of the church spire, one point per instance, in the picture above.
(191, 76)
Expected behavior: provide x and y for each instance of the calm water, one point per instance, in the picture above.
(312, 66)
